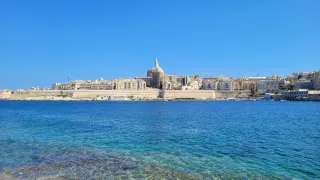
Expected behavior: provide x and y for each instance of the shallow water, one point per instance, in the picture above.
(159, 140)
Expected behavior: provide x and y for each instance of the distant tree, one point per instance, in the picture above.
(289, 87)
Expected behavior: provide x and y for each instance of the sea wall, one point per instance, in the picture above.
(138, 94)
(82, 94)
(131, 94)
(232, 94)
(189, 94)
(37, 94)
(204, 94)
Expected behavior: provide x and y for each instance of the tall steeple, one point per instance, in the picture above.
(157, 67)
(157, 75)
(157, 63)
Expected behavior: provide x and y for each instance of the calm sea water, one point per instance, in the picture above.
(159, 140)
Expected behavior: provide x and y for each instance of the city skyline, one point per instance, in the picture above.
(43, 42)
(156, 84)
(156, 78)
(69, 77)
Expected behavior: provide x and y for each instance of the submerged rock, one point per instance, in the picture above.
(74, 165)
(96, 165)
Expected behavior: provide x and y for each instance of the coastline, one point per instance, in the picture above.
(153, 95)
(131, 100)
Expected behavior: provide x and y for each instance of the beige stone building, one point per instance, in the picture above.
(148, 81)
(195, 82)
(220, 84)
(210, 83)
(316, 81)
(261, 84)
(130, 84)
(250, 83)
(61, 86)
(268, 85)
(303, 84)
(157, 75)
(100, 84)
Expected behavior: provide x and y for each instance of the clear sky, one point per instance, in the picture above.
(43, 41)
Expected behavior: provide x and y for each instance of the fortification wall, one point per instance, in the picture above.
(232, 94)
(37, 93)
(5, 94)
(189, 94)
(204, 94)
(138, 94)
(145, 94)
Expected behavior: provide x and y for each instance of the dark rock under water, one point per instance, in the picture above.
(75, 165)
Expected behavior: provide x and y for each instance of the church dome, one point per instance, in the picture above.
(157, 68)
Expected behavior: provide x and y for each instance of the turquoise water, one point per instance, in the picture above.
(159, 140)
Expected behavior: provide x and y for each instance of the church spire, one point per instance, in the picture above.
(157, 67)
(157, 63)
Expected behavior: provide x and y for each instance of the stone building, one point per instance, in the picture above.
(225, 85)
(95, 85)
(236, 84)
(306, 80)
(100, 84)
(195, 85)
(157, 75)
(221, 83)
(250, 83)
(130, 84)
(148, 81)
(59, 86)
(195, 82)
(175, 82)
(303, 84)
(316, 81)
(268, 85)
(210, 83)
(292, 95)
(261, 84)
(170, 81)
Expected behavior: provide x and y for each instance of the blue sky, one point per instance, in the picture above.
(41, 42)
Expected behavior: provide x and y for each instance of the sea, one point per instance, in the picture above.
(159, 140)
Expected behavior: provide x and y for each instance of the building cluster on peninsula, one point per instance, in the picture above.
(157, 84)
